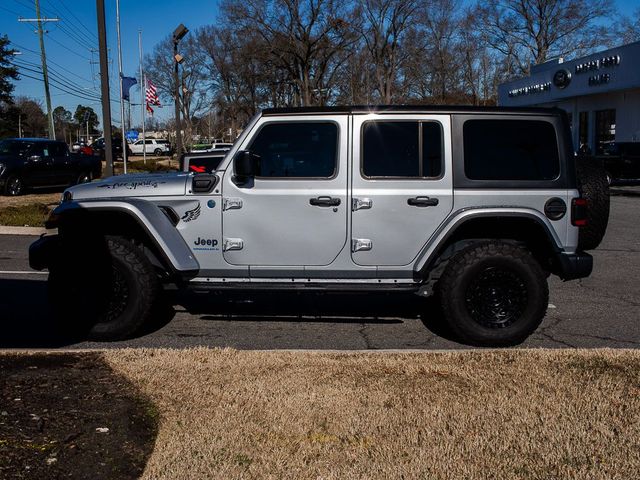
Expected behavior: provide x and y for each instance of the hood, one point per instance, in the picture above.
(135, 185)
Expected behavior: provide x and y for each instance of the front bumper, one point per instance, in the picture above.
(43, 251)
(574, 265)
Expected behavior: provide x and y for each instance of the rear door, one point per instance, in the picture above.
(61, 167)
(402, 185)
(295, 212)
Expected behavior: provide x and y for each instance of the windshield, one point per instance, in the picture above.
(12, 147)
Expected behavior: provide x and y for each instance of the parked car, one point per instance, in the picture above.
(81, 147)
(621, 160)
(201, 162)
(212, 147)
(474, 206)
(153, 146)
(116, 147)
(27, 163)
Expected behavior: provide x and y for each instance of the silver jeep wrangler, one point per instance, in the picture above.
(477, 206)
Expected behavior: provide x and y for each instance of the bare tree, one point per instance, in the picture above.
(385, 25)
(629, 28)
(193, 88)
(307, 40)
(533, 31)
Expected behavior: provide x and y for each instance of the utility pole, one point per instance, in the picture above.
(178, 33)
(19, 125)
(143, 86)
(104, 88)
(122, 119)
(43, 57)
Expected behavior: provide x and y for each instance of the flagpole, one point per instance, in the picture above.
(122, 120)
(143, 87)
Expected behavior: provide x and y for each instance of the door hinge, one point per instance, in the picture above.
(232, 244)
(361, 244)
(231, 203)
(361, 204)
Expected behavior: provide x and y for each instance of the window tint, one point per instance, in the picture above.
(9, 147)
(57, 149)
(300, 149)
(510, 150)
(402, 149)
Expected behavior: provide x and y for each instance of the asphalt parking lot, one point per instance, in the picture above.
(599, 311)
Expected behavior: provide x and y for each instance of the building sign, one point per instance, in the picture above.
(537, 88)
(604, 62)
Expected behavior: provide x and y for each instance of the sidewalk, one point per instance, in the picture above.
(35, 231)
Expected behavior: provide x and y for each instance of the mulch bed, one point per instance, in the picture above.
(71, 416)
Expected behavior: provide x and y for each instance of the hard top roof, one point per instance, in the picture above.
(411, 109)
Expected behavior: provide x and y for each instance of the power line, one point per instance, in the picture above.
(91, 35)
(52, 62)
(69, 83)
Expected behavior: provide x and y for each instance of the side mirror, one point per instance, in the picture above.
(35, 158)
(246, 165)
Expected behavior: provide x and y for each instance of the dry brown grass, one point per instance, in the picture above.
(503, 415)
(49, 198)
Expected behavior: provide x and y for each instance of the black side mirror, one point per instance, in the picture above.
(246, 165)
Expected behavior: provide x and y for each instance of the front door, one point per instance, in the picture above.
(402, 186)
(294, 213)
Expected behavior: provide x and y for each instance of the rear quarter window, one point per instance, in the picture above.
(510, 150)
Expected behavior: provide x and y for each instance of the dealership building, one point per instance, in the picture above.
(600, 92)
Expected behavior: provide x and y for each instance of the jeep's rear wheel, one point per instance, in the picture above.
(493, 294)
(108, 295)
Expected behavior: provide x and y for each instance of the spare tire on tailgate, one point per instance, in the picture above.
(594, 187)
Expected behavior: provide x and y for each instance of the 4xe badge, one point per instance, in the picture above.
(206, 244)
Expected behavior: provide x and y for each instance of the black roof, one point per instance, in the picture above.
(411, 109)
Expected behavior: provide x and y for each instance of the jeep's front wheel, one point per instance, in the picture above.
(107, 297)
(493, 294)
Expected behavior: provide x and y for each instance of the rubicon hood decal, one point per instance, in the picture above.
(144, 185)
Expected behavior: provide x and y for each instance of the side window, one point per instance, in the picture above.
(510, 150)
(56, 150)
(297, 149)
(401, 149)
(148, 142)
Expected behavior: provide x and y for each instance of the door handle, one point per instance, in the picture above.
(423, 202)
(324, 202)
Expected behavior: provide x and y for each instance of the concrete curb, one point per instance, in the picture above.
(625, 192)
(33, 231)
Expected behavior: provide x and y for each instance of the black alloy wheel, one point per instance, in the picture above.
(496, 297)
(14, 186)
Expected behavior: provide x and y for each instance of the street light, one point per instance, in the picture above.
(178, 34)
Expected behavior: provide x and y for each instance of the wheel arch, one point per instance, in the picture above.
(521, 225)
(134, 219)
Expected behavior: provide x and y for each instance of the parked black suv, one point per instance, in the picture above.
(116, 147)
(38, 163)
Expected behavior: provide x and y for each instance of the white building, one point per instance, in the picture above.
(600, 92)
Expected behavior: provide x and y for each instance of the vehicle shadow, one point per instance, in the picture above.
(27, 322)
(25, 319)
(340, 308)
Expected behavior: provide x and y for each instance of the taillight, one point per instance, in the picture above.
(579, 212)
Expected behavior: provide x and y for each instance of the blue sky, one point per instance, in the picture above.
(68, 43)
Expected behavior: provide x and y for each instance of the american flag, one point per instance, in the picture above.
(151, 96)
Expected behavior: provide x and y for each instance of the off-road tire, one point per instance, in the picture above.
(8, 188)
(104, 292)
(594, 187)
(485, 280)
